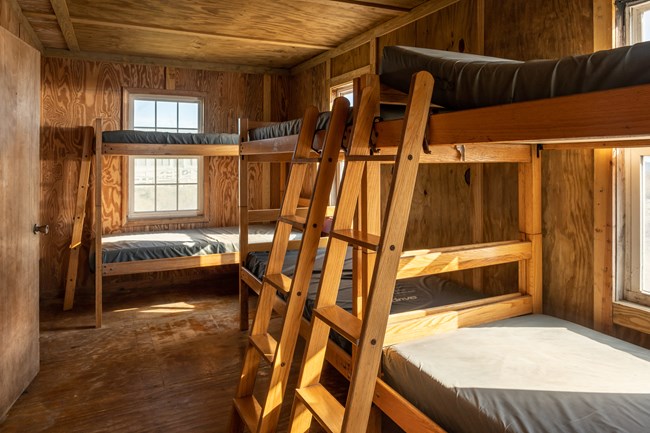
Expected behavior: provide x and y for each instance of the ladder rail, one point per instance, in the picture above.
(357, 411)
(264, 418)
(304, 267)
(79, 218)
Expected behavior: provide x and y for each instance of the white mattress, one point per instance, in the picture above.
(526, 374)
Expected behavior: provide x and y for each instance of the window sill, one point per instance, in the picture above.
(631, 315)
(141, 222)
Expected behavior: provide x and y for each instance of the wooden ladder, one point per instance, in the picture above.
(79, 217)
(366, 334)
(246, 409)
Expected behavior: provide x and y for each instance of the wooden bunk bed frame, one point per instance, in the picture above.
(515, 133)
(154, 265)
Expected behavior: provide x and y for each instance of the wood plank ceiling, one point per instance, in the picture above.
(271, 34)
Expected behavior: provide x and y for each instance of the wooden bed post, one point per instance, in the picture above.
(368, 216)
(530, 226)
(243, 226)
(98, 223)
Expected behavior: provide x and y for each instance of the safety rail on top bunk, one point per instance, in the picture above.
(603, 119)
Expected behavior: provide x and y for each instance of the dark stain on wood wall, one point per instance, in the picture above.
(74, 93)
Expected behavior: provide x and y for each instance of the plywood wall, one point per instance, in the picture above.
(75, 92)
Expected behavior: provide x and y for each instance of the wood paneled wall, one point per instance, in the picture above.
(75, 92)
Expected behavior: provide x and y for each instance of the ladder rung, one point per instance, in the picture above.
(280, 281)
(265, 345)
(326, 409)
(341, 321)
(305, 160)
(358, 238)
(296, 221)
(249, 410)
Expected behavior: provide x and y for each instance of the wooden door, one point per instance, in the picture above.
(19, 199)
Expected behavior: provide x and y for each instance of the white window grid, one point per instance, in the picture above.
(156, 99)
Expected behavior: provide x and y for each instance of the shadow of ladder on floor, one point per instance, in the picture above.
(262, 347)
(312, 400)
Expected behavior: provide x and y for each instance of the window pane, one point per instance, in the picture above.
(188, 170)
(645, 224)
(144, 198)
(144, 171)
(144, 114)
(166, 170)
(166, 115)
(165, 197)
(188, 197)
(348, 95)
(188, 115)
(645, 26)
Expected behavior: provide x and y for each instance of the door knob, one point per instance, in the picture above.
(45, 229)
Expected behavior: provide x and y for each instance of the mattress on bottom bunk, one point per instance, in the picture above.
(126, 247)
(410, 294)
(526, 374)
(155, 137)
(464, 81)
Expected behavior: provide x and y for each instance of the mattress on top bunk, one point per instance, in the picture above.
(464, 81)
(151, 137)
(126, 247)
(526, 374)
(410, 294)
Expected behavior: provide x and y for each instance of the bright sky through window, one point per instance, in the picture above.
(165, 116)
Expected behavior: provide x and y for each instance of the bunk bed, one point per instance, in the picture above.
(497, 367)
(567, 113)
(130, 253)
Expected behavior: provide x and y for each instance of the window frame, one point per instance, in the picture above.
(628, 262)
(162, 217)
(340, 89)
(628, 195)
(633, 12)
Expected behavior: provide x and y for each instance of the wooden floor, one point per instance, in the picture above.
(165, 361)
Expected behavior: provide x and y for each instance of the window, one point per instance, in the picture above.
(637, 20)
(634, 218)
(633, 179)
(345, 90)
(169, 186)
